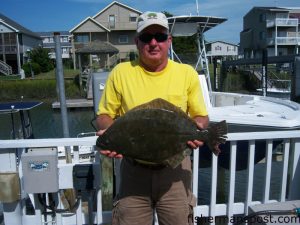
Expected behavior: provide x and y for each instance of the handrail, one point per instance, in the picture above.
(5, 68)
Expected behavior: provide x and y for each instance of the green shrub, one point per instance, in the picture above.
(35, 68)
(41, 56)
(35, 89)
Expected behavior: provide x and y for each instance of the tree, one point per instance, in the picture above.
(185, 47)
(41, 56)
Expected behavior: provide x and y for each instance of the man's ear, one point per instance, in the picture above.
(136, 40)
(169, 40)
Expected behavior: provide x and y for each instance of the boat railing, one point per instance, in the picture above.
(289, 174)
(11, 152)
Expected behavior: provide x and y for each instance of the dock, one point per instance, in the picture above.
(75, 103)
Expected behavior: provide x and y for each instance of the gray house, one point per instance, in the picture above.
(48, 43)
(15, 42)
(221, 50)
(273, 28)
(115, 24)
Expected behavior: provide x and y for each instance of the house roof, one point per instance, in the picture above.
(118, 3)
(17, 27)
(87, 19)
(97, 47)
(50, 33)
(212, 42)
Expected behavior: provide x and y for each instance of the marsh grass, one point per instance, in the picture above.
(35, 89)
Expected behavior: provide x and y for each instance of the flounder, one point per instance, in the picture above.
(158, 132)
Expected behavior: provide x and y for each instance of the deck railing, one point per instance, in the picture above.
(5, 68)
(288, 189)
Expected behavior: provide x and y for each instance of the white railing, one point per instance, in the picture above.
(283, 41)
(5, 68)
(291, 140)
(282, 22)
(290, 178)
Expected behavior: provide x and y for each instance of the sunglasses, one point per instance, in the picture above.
(147, 38)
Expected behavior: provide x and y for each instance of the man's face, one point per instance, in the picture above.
(153, 52)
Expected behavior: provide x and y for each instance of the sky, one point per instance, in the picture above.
(63, 15)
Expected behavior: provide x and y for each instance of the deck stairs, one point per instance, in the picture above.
(273, 81)
(86, 83)
(5, 68)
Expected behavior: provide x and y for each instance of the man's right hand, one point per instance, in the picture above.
(108, 153)
(111, 154)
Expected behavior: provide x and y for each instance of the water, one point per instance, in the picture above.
(47, 123)
(240, 183)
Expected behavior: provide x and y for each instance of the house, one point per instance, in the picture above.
(115, 24)
(273, 28)
(48, 43)
(221, 50)
(15, 42)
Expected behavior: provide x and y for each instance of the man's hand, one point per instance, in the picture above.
(108, 153)
(111, 154)
(202, 123)
(195, 144)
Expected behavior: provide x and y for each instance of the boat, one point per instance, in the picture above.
(19, 115)
(242, 112)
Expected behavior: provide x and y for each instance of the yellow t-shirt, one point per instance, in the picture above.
(129, 85)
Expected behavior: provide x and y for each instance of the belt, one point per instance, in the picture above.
(148, 166)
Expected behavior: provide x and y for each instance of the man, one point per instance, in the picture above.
(146, 186)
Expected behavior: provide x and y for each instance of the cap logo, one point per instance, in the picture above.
(152, 16)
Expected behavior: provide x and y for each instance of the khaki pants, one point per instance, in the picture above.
(143, 190)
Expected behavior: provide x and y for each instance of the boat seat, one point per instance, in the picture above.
(205, 91)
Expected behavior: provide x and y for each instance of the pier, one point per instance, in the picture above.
(75, 103)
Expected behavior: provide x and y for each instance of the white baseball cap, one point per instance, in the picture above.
(150, 18)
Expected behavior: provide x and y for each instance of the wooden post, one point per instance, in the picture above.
(295, 84)
(223, 75)
(107, 182)
(264, 73)
(80, 73)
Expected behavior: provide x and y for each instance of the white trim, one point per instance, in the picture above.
(91, 19)
(113, 3)
(9, 26)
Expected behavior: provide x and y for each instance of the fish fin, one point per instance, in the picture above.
(175, 160)
(159, 103)
(216, 136)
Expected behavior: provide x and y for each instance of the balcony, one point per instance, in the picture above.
(64, 55)
(8, 49)
(282, 22)
(284, 41)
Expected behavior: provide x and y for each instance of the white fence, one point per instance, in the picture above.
(14, 213)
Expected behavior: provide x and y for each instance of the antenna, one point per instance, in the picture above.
(197, 7)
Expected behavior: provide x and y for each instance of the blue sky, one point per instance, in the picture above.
(58, 15)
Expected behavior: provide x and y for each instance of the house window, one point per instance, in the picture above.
(49, 40)
(123, 39)
(262, 35)
(262, 17)
(64, 39)
(132, 17)
(218, 48)
(65, 50)
(83, 38)
(112, 21)
(10, 39)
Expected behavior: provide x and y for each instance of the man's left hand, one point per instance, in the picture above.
(195, 144)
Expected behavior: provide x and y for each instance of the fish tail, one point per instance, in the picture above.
(216, 136)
